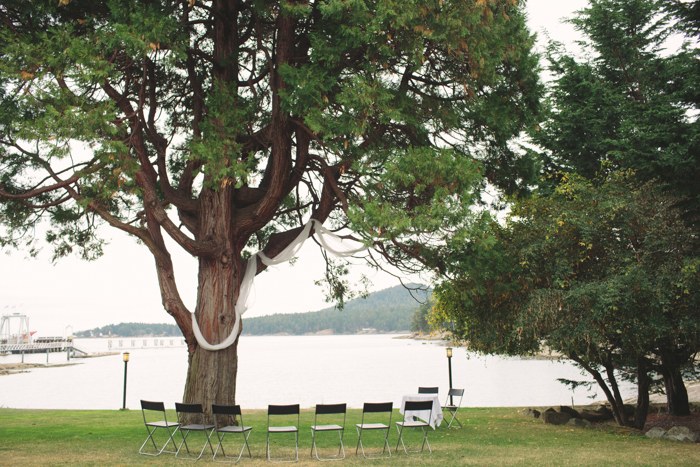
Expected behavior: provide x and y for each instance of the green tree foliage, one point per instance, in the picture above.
(605, 273)
(631, 101)
(420, 322)
(220, 127)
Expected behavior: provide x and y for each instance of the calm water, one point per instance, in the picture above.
(296, 369)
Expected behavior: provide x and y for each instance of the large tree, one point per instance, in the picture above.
(604, 273)
(632, 102)
(221, 127)
(631, 99)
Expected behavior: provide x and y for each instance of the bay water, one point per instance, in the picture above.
(292, 369)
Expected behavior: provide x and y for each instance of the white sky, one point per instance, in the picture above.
(121, 286)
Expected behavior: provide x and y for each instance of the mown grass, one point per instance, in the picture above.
(490, 436)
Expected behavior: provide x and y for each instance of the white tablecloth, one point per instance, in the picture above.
(435, 415)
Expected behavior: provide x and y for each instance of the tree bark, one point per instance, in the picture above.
(643, 384)
(676, 394)
(211, 376)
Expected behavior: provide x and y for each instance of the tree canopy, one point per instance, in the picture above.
(631, 102)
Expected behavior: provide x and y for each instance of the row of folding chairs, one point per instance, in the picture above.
(281, 419)
(190, 419)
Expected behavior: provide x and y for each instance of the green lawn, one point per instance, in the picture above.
(490, 436)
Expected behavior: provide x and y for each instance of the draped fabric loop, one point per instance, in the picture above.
(324, 236)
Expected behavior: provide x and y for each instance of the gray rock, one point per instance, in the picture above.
(681, 433)
(553, 417)
(570, 410)
(534, 413)
(579, 422)
(656, 432)
(595, 415)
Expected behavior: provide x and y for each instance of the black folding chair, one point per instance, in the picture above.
(185, 414)
(155, 418)
(428, 390)
(228, 419)
(323, 418)
(416, 415)
(284, 414)
(452, 407)
(372, 408)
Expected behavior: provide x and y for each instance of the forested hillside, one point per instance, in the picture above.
(388, 310)
(133, 330)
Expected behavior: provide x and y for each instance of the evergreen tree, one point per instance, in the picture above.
(222, 126)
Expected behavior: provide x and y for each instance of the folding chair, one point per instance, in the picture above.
(374, 408)
(186, 413)
(327, 413)
(229, 420)
(154, 418)
(286, 414)
(452, 407)
(428, 390)
(412, 419)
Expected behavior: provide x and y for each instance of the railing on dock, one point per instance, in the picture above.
(145, 343)
(58, 344)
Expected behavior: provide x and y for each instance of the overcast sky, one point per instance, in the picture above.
(121, 286)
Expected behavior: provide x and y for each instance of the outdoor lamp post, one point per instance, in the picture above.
(449, 368)
(125, 357)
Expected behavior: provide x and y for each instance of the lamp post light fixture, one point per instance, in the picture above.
(449, 367)
(125, 357)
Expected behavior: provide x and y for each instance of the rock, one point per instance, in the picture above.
(656, 433)
(553, 417)
(570, 410)
(681, 433)
(579, 422)
(595, 416)
(534, 413)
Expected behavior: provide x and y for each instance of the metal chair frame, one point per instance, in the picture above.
(453, 408)
(328, 413)
(372, 408)
(428, 390)
(411, 421)
(283, 411)
(151, 407)
(232, 424)
(187, 410)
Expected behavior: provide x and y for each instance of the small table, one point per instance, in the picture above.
(435, 415)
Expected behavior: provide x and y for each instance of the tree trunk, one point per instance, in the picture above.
(211, 376)
(616, 404)
(643, 384)
(676, 394)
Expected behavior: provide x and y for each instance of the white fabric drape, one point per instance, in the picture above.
(324, 236)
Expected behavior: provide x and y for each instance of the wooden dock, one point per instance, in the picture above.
(39, 345)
